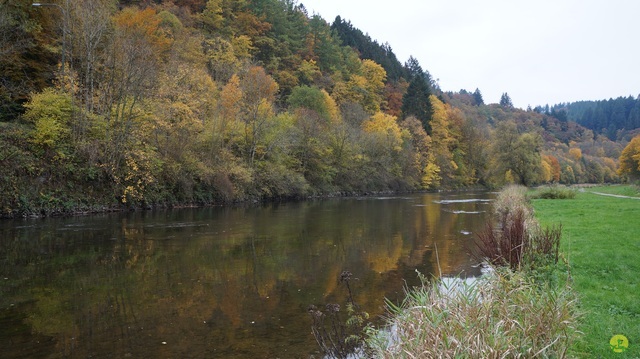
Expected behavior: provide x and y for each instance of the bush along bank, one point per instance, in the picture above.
(523, 307)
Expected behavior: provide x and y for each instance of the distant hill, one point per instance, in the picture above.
(616, 118)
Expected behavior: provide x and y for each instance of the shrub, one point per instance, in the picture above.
(555, 192)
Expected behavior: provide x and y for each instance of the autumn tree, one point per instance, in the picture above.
(258, 93)
(385, 145)
(449, 149)
(50, 113)
(182, 110)
(518, 154)
(134, 58)
(233, 34)
(554, 168)
(421, 167)
(310, 150)
(312, 98)
(393, 93)
(630, 160)
(365, 87)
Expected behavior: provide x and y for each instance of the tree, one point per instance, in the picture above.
(50, 111)
(385, 143)
(365, 87)
(393, 93)
(554, 167)
(386, 130)
(134, 59)
(518, 154)
(415, 101)
(442, 139)
(258, 93)
(92, 25)
(313, 98)
(630, 159)
(477, 97)
(421, 167)
(505, 101)
(375, 76)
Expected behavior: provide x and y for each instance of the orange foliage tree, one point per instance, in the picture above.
(630, 159)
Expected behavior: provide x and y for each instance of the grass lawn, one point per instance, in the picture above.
(601, 239)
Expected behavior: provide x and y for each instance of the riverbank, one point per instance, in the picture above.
(524, 307)
(602, 244)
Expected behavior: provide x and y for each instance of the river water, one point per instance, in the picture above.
(230, 282)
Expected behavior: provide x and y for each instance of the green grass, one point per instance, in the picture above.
(631, 191)
(601, 240)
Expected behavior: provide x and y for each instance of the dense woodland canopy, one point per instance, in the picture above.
(618, 119)
(199, 102)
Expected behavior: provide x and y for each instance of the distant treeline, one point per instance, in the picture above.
(614, 118)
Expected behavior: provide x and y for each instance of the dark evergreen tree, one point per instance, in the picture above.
(560, 114)
(505, 101)
(415, 101)
(477, 97)
(369, 49)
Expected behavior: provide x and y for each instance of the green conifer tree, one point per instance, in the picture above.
(415, 101)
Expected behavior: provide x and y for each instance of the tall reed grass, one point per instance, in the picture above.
(505, 315)
(515, 238)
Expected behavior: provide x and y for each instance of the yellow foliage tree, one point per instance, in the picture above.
(445, 131)
(431, 176)
(547, 174)
(386, 129)
(332, 107)
(230, 101)
(630, 159)
(365, 87)
(50, 111)
(575, 153)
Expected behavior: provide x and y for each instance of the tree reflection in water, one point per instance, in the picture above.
(217, 282)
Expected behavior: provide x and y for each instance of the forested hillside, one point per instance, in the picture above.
(162, 103)
(618, 119)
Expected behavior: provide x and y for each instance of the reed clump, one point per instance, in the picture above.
(515, 239)
(504, 315)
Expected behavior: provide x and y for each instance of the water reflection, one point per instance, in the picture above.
(218, 282)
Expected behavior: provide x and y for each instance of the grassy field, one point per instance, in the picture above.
(601, 240)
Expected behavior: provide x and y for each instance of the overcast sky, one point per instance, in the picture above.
(538, 51)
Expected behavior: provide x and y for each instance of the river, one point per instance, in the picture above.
(232, 282)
